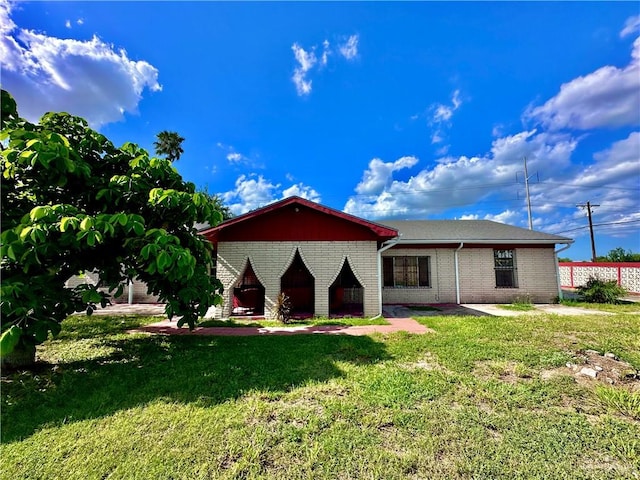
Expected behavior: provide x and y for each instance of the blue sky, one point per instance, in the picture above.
(384, 110)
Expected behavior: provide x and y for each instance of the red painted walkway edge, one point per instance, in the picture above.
(408, 325)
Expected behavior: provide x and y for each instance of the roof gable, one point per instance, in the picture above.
(298, 219)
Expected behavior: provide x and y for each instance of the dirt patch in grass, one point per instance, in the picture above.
(590, 366)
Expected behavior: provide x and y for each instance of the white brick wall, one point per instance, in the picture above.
(323, 259)
(536, 273)
(535, 270)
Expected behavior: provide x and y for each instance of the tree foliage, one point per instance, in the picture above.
(169, 144)
(73, 202)
(620, 255)
(224, 209)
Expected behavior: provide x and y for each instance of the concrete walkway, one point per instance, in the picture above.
(408, 325)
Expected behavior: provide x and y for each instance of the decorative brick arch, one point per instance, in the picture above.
(344, 259)
(346, 292)
(292, 255)
(247, 293)
(298, 283)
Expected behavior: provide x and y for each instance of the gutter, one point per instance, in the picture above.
(384, 247)
(457, 271)
(555, 256)
(481, 242)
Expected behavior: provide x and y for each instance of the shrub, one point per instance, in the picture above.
(601, 291)
(283, 308)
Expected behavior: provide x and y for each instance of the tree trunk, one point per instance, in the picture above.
(21, 356)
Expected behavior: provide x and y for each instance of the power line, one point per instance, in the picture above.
(597, 225)
(589, 186)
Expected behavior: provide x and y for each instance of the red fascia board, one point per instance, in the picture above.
(600, 264)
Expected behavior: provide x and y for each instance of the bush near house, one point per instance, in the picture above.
(601, 291)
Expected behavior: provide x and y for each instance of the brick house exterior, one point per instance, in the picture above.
(332, 263)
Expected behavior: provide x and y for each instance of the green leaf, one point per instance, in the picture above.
(26, 231)
(86, 224)
(9, 340)
(138, 228)
(40, 331)
(68, 222)
(38, 212)
(163, 261)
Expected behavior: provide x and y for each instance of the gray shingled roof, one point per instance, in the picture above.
(468, 231)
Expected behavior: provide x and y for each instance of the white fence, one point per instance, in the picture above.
(575, 274)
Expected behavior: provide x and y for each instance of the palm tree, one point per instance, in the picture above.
(169, 144)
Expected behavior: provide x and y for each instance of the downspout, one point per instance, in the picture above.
(555, 256)
(382, 249)
(130, 292)
(457, 272)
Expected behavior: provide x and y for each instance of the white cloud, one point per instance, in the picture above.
(325, 52)
(349, 49)
(631, 26)
(608, 97)
(379, 174)
(254, 191)
(86, 78)
(308, 62)
(67, 24)
(234, 157)
(440, 117)
(305, 60)
(251, 192)
(303, 191)
(456, 181)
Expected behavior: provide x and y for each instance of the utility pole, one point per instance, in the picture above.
(588, 206)
(526, 187)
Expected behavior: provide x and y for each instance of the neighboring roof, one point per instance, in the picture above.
(382, 232)
(470, 231)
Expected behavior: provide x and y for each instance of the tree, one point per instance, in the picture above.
(619, 255)
(226, 212)
(169, 144)
(73, 202)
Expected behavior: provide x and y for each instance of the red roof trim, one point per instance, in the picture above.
(385, 233)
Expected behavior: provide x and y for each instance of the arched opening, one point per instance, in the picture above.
(248, 294)
(298, 284)
(346, 295)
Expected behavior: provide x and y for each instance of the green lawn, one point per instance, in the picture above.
(473, 400)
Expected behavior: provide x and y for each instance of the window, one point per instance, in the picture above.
(407, 271)
(505, 267)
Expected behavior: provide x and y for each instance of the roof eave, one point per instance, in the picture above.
(401, 241)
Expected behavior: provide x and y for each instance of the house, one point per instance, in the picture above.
(331, 263)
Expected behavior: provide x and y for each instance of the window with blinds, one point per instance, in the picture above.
(403, 272)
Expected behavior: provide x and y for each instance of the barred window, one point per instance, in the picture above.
(407, 271)
(505, 268)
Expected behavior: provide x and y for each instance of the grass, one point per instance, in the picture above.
(623, 307)
(518, 307)
(469, 401)
(315, 321)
